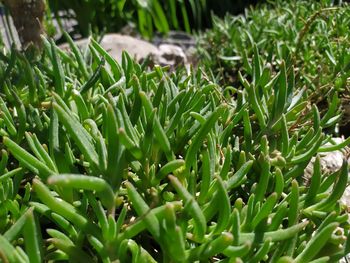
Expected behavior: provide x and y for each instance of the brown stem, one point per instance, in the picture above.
(310, 20)
(27, 16)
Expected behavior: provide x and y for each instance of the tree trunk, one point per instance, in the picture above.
(27, 16)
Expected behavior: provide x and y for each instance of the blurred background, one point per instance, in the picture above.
(81, 18)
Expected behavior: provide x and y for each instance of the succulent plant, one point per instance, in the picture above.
(309, 35)
(104, 162)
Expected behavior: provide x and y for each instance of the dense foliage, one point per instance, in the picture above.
(146, 15)
(312, 36)
(103, 161)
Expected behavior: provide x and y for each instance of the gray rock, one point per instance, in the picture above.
(68, 24)
(170, 55)
(331, 162)
(178, 38)
(138, 49)
(115, 44)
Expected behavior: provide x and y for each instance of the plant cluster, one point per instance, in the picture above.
(103, 162)
(310, 35)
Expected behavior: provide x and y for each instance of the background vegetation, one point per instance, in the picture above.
(147, 16)
(313, 45)
(315, 48)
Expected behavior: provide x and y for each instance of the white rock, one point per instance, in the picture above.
(115, 44)
(138, 49)
(331, 162)
(169, 54)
